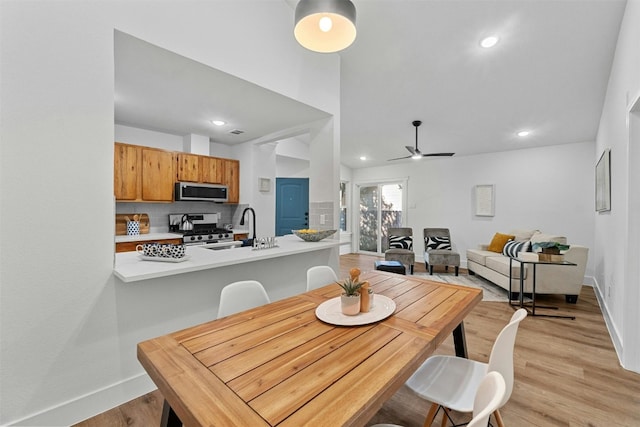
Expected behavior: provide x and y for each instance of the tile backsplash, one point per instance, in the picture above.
(319, 211)
(159, 212)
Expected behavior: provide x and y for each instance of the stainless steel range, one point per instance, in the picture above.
(199, 229)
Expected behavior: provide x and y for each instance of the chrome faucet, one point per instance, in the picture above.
(254, 221)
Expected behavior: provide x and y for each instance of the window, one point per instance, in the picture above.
(343, 206)
(381, 207)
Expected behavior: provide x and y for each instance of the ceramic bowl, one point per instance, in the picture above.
(315, 236)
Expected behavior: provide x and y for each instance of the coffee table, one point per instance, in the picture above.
(531, 309)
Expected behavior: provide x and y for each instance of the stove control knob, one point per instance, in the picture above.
(219, 236)
(192, 238)
(199, 237)
(226, 236)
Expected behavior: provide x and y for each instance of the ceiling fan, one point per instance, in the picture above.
(416, 153)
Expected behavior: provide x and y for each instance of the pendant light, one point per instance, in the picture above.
(325, 25)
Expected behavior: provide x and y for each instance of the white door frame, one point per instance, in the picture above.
(631, 315)
(404, 181)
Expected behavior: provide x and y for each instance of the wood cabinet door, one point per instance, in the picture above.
(232, 179)
(126, 172)
(131, 246)
(158, 175)
(189, 167)
(212, 170)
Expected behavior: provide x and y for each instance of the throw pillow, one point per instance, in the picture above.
(498, 242)
(401, 242)
(431, 243)
(512, 248)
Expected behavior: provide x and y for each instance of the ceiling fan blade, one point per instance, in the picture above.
(399, 158)
(411, 149)
(438, 155)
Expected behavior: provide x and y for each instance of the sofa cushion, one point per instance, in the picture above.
(435, 242)
(543, 237)
(512, 248)
(523, 235)
(498, 242)
(501, 265)
(479, 256)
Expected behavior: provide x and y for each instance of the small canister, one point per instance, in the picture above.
(133, 228)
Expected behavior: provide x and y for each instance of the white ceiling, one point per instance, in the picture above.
(412, 60)
(159, 90)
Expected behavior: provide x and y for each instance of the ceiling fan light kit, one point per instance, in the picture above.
(415, 152)
(325, 26)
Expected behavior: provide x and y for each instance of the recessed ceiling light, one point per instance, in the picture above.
(363, 157)
(218, 122)
(523, 133)
(489, 41)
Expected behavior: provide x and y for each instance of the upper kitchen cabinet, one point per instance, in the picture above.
(143, 174)
(126, 172)
(158, 175)
(188, 167)
(198, 168)
(232, 179)
(212, 170)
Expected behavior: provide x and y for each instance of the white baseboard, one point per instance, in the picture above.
(611, 327)
(90, 404)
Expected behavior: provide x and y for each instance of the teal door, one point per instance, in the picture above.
(292, 205)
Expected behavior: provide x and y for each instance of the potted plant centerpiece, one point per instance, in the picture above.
(350, 298)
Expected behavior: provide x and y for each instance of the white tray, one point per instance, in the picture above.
(330, 312)
(163, 258)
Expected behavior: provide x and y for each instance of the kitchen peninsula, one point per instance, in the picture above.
(129, 267)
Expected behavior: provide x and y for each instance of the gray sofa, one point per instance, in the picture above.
(550, 279)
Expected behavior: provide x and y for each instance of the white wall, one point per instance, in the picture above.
(548, 188)
(68, 328)
(618, 289)
(147, 138)
(288, 167)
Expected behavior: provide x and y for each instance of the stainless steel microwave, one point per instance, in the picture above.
(189, 191)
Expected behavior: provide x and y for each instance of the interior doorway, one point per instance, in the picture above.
(382, 205)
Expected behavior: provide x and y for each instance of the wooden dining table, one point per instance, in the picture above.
(279, 365)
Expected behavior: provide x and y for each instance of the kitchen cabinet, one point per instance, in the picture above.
(240, 236)
(188, 167)
(232, 179)
(143, 174)
(197, 168)
(131, 246)
(126, 172)
(212, 170)
(158, 175)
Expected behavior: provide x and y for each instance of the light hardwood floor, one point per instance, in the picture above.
(566, 371)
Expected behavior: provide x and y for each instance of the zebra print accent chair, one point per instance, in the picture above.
(400, 244)
(438, 251)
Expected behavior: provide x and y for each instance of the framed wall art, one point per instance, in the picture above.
(485, 200)
(603, 182)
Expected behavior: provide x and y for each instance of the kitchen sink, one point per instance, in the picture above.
(223, 246)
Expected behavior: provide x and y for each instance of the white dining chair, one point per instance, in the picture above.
(240, 296)
(490, 393)
(452, 382)
(320, 275)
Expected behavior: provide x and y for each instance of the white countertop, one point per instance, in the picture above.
(147, 236)
(129, 267)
